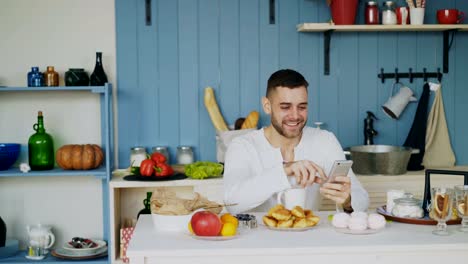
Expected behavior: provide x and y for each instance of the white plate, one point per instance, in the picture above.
(358, 232)
(290, 229)
(66, 253)
(84, 251)
(214, 238)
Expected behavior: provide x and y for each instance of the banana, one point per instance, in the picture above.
(213, 110)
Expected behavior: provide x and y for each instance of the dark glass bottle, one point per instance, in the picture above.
(51, 77)
(98, 77)
(2, 233)
(40, 147)
(35, 78)
(147, 204)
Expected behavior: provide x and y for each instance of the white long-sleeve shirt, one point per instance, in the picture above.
(254, 173)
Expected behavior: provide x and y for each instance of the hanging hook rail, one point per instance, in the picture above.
(410, 75)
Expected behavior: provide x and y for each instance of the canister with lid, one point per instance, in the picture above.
(184, 155)
(372, 13)
(388, 13)
(408, 207)
(137, 155)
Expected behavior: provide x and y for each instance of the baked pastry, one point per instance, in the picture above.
(285, 224)
(312, 220)
(269, 221)
(376, 221)
(251, 120)
(300, 223)
(274, 208)
(281, 214)
(298, 212)
(308, 212)
(357, 223)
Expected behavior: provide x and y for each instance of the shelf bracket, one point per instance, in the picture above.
(447, 45)
(326, 51)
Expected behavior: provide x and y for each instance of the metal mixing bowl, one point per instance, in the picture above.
(380, 159)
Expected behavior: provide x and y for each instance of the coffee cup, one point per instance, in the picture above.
(292, 197)
(450, 16)
(402, 14)
(397, 103)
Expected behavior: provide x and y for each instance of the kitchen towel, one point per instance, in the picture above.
(439, 151)
(417, 136)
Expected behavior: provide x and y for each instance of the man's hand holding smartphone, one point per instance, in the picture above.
(337, 186)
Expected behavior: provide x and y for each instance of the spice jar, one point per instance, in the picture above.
(408, 207)
(184, 155)
(163, 150)
(137, 155)
(388, 13)
(372, 13)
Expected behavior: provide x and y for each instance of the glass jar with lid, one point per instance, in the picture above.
(137, 155)
(408, 207)
(163, 150)
(372, 13)
(388, 13)
(184, 155)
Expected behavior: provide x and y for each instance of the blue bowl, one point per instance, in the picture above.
(9, 153)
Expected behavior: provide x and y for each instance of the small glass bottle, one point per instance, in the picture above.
(51, 77)
(372, 13)
(388, 13)
(98, 77)
(34, 70)
(41, 147)
(147, 204)
(184, 155)
(163, 150)
(137, 155)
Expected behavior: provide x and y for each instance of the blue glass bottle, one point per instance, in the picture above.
(31, 74)
(37, 79)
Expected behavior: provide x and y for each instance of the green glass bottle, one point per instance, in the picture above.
(41, 147)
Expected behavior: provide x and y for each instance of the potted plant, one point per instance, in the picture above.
(343, 11)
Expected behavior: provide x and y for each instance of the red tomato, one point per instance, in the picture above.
(205, 223)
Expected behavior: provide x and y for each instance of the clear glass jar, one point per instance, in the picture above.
(137, 155)
(184, 155)
(163, 150)
(408, 207)
(372, 13)
(388, 13)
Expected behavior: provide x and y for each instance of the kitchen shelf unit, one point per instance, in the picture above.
(327, 30)
(103, 173)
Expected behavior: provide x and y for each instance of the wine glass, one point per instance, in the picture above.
(441, 208)
(461, 194)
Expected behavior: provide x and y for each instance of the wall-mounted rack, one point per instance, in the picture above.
(327, 30)
(410, 75)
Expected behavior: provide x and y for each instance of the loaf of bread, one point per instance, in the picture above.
(213, 110)
(251, 120)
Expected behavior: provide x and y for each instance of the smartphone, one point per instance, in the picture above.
(339, 168)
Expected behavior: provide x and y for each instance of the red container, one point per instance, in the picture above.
(371, 13)
(450, 16)
(344, 11)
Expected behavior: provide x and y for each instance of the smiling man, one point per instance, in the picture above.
(286, 154)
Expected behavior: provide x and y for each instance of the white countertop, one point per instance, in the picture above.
(323, 241)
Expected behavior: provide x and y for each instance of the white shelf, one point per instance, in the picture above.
(119, 182)
(320, 27)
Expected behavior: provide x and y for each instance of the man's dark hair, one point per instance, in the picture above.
(285, 78)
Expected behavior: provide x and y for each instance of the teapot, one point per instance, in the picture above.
(40, 236)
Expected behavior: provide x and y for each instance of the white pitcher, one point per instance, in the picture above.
(40, 236)
(397, 103)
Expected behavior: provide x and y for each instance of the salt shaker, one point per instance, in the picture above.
(388, 13)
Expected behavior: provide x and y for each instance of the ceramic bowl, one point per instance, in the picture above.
(84, 251)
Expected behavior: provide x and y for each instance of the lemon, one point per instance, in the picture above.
(229, 218)
(229, 229)
(190, 227)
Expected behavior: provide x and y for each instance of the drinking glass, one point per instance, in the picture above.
(441, 208)
(461, 194)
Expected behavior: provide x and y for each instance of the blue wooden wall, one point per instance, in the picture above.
(230, 45)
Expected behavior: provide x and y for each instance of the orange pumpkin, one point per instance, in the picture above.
(79, 157)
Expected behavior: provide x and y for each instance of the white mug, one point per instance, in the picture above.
(397, 103)
(417, 15)
(292, 197)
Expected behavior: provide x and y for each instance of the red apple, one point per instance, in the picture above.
(205, 223)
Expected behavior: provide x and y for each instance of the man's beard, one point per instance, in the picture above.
(285, 133)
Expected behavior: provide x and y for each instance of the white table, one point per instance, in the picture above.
(398, 243)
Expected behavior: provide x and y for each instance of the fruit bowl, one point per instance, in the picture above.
(9, 153)
(170, 223)
(94, 246)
